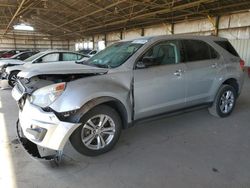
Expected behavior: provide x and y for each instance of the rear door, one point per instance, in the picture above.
(160, 87)
(202, 63)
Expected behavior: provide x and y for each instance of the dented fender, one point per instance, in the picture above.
(89, 91)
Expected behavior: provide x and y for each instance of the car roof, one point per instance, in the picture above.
(54, 50)
(179, 36)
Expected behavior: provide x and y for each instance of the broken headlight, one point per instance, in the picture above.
(45, 96)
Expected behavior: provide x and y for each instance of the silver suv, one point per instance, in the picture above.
(128, 81)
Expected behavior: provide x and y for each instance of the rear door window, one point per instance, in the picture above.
(228, 47)
(196, 50)
(71, 57)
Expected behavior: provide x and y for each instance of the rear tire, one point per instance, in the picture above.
(12, 78)
(224, 102)
(100, 130)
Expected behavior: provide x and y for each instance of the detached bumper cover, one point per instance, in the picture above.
(44, 128)
(33, 149)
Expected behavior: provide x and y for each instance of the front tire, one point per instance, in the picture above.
(224, 102)
(99, 132)
(13, 78)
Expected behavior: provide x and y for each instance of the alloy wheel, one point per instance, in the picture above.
(98, 132)
(227, 101)
(13, 79)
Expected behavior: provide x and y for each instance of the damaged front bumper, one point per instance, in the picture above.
(36, 151)
(44, 128)
(40, 128)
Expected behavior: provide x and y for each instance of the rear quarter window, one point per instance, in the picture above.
(197, 50)
(226, 45)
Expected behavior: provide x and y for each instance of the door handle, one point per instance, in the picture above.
(178, 72)
(214, 65)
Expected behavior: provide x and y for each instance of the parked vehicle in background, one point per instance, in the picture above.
(15, 59)
(1, 52)
(24, 55)
(20, 56)
(50, 56)
(126, 82)
(10, 53)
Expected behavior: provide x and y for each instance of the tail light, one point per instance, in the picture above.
(242, 64)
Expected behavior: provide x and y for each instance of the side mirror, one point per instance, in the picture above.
(146, 62)
(149, 61)
(140, 65)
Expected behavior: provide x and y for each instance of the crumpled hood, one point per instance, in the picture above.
(10, 61)
(59, 68)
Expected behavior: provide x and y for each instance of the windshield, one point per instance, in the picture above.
(31, 58)
(115, 55)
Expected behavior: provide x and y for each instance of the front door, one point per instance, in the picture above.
(161, 85)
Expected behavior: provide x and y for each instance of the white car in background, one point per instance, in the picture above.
(49, 56)
(16, 59)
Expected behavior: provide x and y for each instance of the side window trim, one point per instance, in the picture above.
(61, 56)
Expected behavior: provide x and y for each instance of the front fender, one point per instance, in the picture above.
(96, 88)
(9, 69)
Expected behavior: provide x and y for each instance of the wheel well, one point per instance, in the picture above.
(232, 82)
(109, 101)
(121, 111)
(14, 71)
